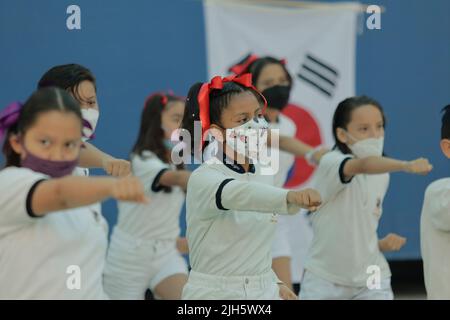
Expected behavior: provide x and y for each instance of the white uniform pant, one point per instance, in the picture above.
(133, 265)
(202, 286)
(316, 288)
(281, 246)
(292, 239)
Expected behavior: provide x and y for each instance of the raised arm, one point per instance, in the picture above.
(378, 165)
(294, 146)
(92, 157)
(297, 147)
(252, 196)
(71, 192)
(175, 178)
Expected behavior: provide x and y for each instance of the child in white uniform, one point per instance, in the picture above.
(52, 245)
(271, 77)
(435, 227)
(345, 260)
(80, 82)
(230, 206)
(143, 252)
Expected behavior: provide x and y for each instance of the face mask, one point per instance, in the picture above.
(54, 169)
(90, 116)
(277, 96)
(248, 139)
(367, 147)
(169, 144)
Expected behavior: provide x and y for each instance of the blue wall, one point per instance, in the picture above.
(136, 47)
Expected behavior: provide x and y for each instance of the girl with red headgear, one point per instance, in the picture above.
(230, 203)
(271, 77)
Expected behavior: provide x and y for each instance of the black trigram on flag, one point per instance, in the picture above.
(319, 74)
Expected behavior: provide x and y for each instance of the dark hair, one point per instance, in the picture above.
(445, 129)
(219, 99)
(256, 67)
(342, 116)
(41, 101)
(151, 134)
(67, 77)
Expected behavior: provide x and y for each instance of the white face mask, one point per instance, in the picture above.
(248, 139)
(367, 147)
(90, 115)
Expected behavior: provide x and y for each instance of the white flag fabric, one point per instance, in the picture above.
(319, 46)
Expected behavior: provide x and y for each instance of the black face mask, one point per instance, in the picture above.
(277, 96)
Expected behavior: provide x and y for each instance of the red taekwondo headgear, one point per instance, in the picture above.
(243, 66)
(218, 83)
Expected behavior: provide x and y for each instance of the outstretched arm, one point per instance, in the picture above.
(378, 165)
(175, 178)
(71, 192)
(92, 157)
(252, 196)
(297, 147)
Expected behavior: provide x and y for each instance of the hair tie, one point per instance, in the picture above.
(242, 67)
(217, 83)
(9, 117)
(164, 98)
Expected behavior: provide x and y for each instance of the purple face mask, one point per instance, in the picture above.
(54, 169)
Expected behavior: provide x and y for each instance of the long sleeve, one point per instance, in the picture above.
(219, 193)
(253, 196)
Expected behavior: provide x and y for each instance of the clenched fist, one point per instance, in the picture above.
(419, 166)
(182, 245)
(392, 242)
(307, 199)
(286, 293)
(117, 167)
(128, 189)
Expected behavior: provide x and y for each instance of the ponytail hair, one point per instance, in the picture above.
(445, 129)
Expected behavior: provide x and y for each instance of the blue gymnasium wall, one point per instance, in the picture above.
(136, 47)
